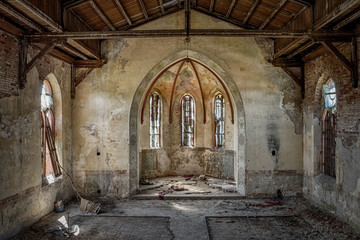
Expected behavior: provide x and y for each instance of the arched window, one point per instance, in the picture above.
(219, 120)
(50, 168)
(328, 127)
(155, 121)
(187, 121)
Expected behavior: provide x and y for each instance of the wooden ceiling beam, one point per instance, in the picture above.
(143, 8)
(347, 20)
(301, 49)
(294, 17)
(305, 3)
(212, 4)
(301, 35)
(284, 62)
(73, 51)
(332, 49)
(20, 17)
(74, 4)
(162, 6)
(37, 58)
(230, 9)
(81, 20)
(222, 17)
(83, 76)
(101, 15)
(10, 28)
(89, 63)
(83, 48)
(36, 14)
(273, 13)
(251, 11)
(337, 13)
(123, 12)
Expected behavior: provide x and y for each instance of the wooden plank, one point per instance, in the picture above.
(89, 63)
(122, 10)
(301, 49)
(20, 17)
(212, 4)
(230, 9)
(9, 28)
(301, 35)
(251, 11)
(347, 20)
(294, 17)
(337, 13)
(162, 6)
(81, 20)
(273, 13)
(83, 76)
(71, 5)
(37, 58)
(60, 55)
(36, 14)
(222, 17)
(83, 48)
(73, 51)
(320, 50)
(143, 8)
(294, 44)
(101, 15)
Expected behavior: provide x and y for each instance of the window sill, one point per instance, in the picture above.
(50, 179)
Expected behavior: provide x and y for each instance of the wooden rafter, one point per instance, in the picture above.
(294, 17)
(273, 13)
(89, 63)
(36, 14)
(162, 6)
(212, 4)
(101, 15)
(73, 51)
(73, 4)
(284, 62)
(301, 49)
(222, 17)
(230, 9)
(302, 35)
(81, 20)
(83, 48)
(37, 58)
(347, 20)
(19, 17)
(10, 28)
(83, 76)
(337, 13)
(331, 48)
(123, 12)
(251, 11)
(143, 8)
(305, 3)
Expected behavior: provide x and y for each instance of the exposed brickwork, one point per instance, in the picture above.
(317, 72)
(9, 62)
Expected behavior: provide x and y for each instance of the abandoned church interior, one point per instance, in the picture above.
(180, 119)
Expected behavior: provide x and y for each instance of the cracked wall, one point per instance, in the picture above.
(338, 195)
(23, 197)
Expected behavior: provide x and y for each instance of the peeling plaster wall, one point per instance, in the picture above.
(23, 199)
(270, 99)
(340, 195)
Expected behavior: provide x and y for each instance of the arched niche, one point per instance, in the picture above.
(235, 98)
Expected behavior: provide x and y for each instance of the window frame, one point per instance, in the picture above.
(159, 120)
(193, 120)
(223, 115)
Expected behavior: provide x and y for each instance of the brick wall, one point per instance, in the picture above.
(317, 72)
(9, 61)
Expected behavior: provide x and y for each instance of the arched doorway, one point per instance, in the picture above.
(192, 67)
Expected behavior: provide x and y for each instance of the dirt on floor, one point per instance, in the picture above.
(288, 218)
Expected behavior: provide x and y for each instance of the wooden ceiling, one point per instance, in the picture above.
(72, 29)
(103, 15)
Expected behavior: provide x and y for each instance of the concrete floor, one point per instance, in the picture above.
(290, 218)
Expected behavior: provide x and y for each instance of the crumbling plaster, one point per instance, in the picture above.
(23, 197)
(102, 105)
(339, 195)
